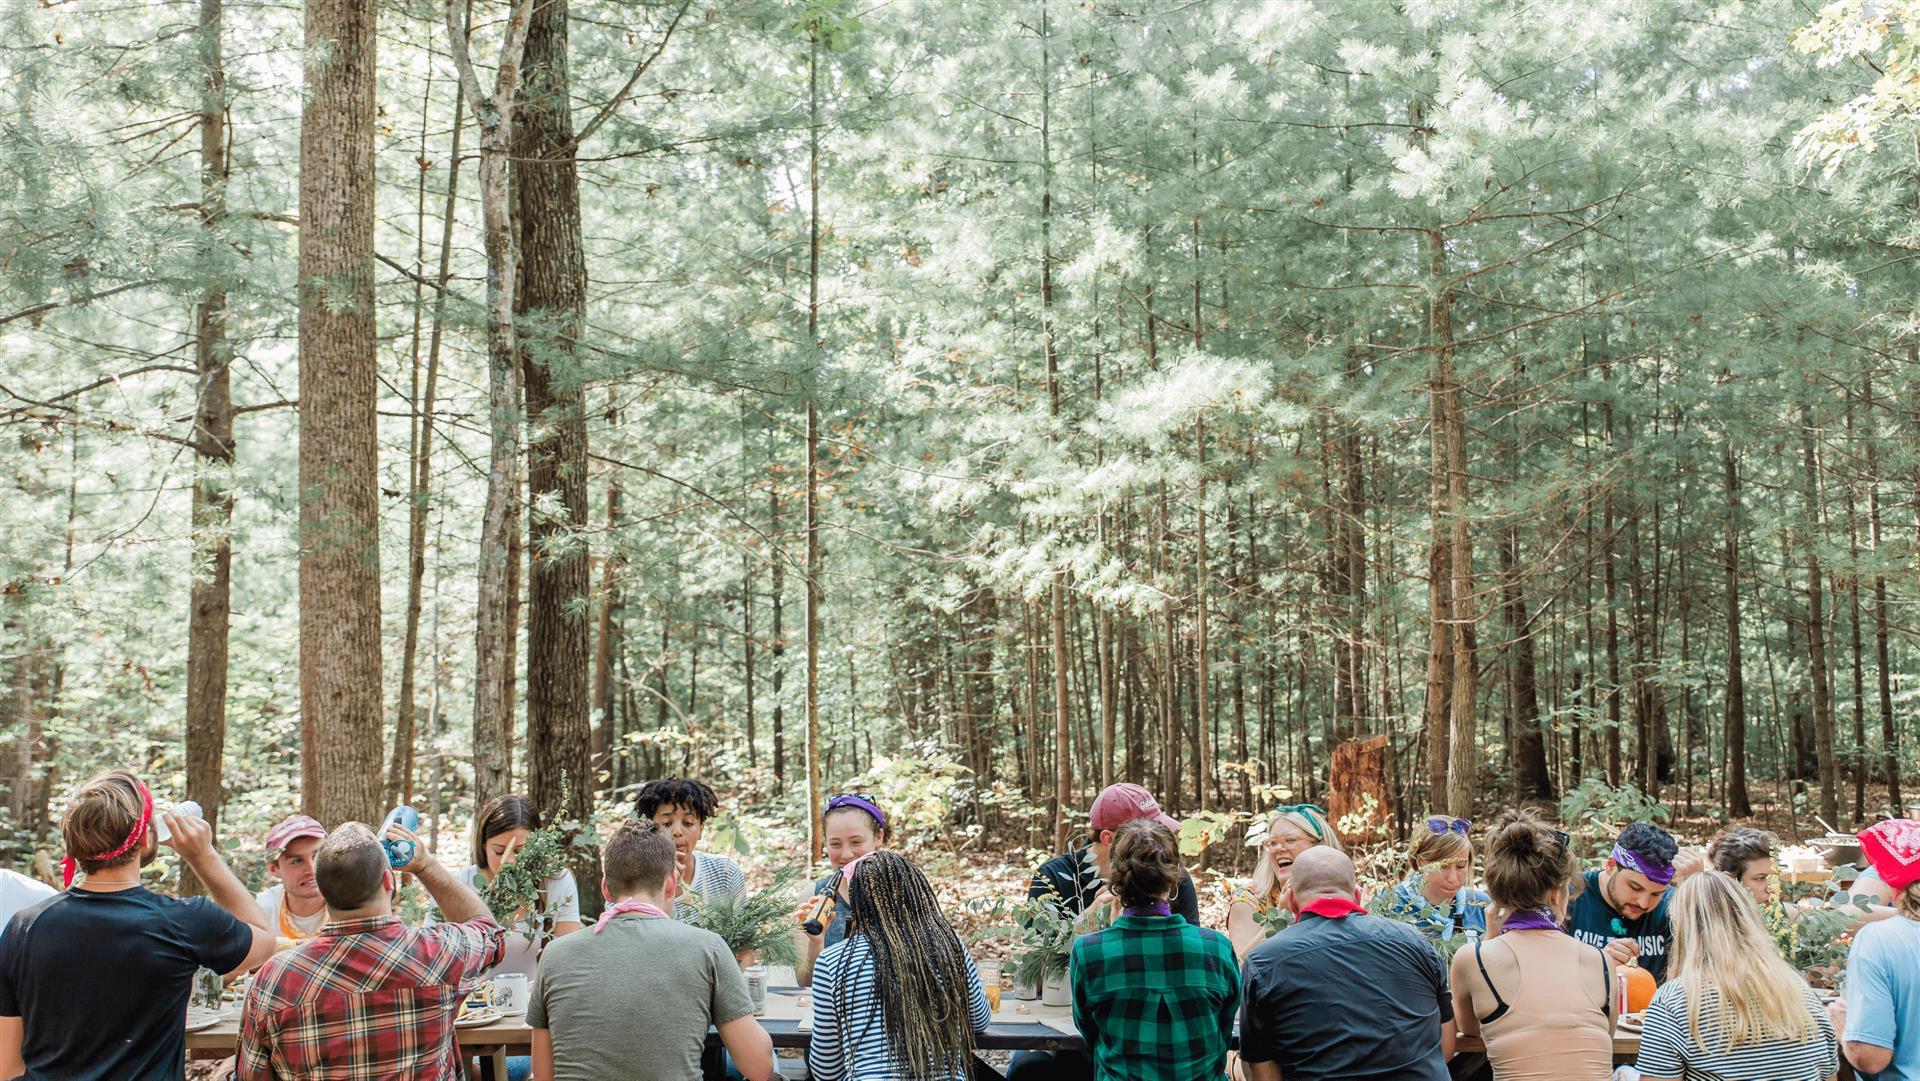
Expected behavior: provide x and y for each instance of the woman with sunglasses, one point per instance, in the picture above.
(854, 825)
(1541, 998)
(1256, 911)
(1438, 898)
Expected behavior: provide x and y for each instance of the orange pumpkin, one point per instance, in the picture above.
(1640, 987)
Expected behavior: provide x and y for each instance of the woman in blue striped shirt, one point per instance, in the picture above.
(899, 999)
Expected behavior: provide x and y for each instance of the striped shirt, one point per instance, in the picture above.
(1668, 1049)
(852, 1046)
(712, 876)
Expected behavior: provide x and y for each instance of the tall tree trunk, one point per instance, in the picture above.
(1857, 761)
(1739, 803)
(400, 770)
(1531, 780)
(493, 631)
(1057, 594)
(779, 648)
(340, 722)
(1462, 766)
(1889, 733)
(1817, 630)
(815, 803)
(607, 640)
(211, 595)
(551, 301)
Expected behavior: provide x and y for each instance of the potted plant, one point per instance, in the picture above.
(757, 926)
(1043, 934)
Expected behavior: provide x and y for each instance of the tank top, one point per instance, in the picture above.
(1546, 1027)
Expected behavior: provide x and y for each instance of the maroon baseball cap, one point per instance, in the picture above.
(291, 829)
(1120, 804)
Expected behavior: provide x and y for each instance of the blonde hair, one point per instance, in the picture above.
(100, 817)
(1431, 849)
(1265, 885)
(1725, 962)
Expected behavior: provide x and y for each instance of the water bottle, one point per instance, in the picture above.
(188, 809)
(399, 853)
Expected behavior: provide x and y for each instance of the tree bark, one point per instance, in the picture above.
(493, 630)
(400, 770)
(551, 303)
(1531, 780)
(210, 597)
(1739, 803)
(340, 721)
(815, 797)
(1889, 732)
(1817, 631)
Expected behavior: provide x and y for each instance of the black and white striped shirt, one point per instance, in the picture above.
(1668, 1049)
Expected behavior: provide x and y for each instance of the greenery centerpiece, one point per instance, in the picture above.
(520, 886)
(757, 925)
(1814, 937)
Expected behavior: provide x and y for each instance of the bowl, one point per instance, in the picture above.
(1839, 848)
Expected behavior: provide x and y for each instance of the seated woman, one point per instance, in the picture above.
(855, 826)
(1745, 855)
(1541, 998)
(498, 832)
(1152, 994)
(897, 999)
(681, 808)
(1439, 898)
(1731, 1008)
(1291, 831)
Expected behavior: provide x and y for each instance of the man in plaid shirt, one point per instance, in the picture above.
(369, 998)
(1153, 995)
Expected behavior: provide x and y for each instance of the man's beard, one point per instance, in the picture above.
(149, 850)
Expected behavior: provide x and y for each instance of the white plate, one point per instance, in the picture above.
(199, 1018)
(479, 1018)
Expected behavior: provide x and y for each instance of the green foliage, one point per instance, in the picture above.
(1595, 811)
(759, 920)
(520, 886)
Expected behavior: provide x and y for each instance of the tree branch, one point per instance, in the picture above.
(41, 309)
(607, 110)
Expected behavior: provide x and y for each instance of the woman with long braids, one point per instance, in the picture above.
(898, 999)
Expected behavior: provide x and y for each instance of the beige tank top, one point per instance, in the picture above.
(1546, 1027)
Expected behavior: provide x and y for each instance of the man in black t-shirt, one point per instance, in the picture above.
(1623, 907)
(94, 981)
(1341, 995)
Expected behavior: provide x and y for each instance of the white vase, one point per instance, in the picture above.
(1056, 991)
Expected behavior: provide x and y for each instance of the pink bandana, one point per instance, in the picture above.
(621, 908)
(1893, 848)
(68, 865)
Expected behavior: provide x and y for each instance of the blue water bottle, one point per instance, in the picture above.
(399, 853)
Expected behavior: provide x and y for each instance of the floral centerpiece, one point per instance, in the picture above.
(520, 887)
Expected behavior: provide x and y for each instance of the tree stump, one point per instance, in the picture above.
(1359, 773)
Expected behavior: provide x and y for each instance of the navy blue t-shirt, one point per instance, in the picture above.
(101, 980)
(1345, 999)
(1591, 920)
(1075, 879)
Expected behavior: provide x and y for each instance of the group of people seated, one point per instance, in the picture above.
(95, 979)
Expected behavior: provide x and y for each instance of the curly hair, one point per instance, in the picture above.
(1145, 864)
(1649, 842)
(695, 796)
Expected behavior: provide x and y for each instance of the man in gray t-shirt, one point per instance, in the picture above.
(632, 997)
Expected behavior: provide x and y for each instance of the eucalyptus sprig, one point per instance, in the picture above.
(761, 921)
(520, 884)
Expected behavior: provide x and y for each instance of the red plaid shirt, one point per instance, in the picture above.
(365, 999)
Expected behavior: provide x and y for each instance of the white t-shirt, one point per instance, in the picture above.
(273, 901)
(17, 891)
(563, 906)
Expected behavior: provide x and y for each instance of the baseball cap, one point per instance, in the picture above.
(291, 829)
(1120, 804)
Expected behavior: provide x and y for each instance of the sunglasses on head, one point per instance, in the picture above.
(1564, 838)
(1440, 824)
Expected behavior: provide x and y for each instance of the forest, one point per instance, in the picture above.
(1433, 404)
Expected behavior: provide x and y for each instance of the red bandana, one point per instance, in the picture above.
(67, 865)
(1333, 908)
(1893, 848)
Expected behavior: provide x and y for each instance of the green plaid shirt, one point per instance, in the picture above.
(1155, 998)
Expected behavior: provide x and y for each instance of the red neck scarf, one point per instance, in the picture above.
(1332, 908)
(134, 837)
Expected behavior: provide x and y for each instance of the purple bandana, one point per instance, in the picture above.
(1657, 873)
(1531, 919)
(1158, 908)
(867, 805)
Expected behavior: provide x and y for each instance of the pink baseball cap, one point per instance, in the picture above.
(291, 829)
(1120, 804)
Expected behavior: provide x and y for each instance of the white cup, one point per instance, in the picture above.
(510, 992)
(189, 809)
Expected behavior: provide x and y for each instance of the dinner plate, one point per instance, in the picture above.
(478, 1018)
(201, 1018)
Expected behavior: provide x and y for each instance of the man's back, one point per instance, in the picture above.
(100, 980)
(365, 999)
(1883, 992)
(1350, 998)
(634, 1001)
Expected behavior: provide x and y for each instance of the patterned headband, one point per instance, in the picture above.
(1660, 874)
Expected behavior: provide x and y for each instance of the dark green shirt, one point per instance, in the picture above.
(1155, 998)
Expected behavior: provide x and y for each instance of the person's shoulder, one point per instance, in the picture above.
(1886, 936)
(469, 876)
(563, 882)
(269, 897)
(13, 884)
(1670, 997)
(1063, 865)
